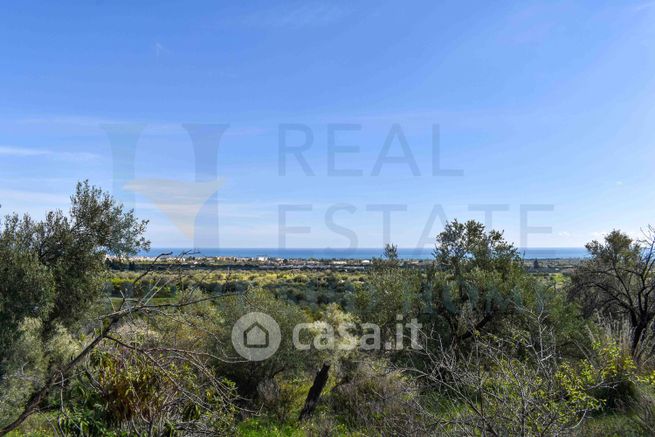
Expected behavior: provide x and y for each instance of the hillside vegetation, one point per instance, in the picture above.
(471, 343)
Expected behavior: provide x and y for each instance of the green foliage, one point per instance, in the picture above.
(262, 428)
(24, 369)
(610, 371)
(466, 247)
(506, 351)
(52, 269)
(72, 247)
(610, 425)
(318, 426)
(492, 391)
(126, 390)
(51, 280)
(477, 281)
(248, 375)
(374, 396)
(618, 280)
(33, 357)
(391, 290)
(27, 288)
(282, 398)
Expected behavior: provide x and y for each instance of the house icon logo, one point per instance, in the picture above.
(256, 336)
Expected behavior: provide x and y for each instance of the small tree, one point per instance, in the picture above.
(618, 280)
(478, 272)
(51, 277)
(54, 320)
(391, 290)
(52, 270)
(518, 386)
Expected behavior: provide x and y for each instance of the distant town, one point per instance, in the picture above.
(190, 261)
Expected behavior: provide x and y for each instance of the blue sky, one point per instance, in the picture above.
(538, 103)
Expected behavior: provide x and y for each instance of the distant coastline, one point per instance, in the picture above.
(541, 253)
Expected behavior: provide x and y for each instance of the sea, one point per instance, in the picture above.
(359, 253)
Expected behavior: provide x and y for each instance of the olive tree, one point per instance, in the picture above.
(618, 280)
(392, 290)
(477, 277)
(51, 278)
(52, 269)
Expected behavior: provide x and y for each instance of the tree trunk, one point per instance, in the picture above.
(315, 392)
(637, 335)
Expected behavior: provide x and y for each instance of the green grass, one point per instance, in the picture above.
(610, 425)
(258, 427)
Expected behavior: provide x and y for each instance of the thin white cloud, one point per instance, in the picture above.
(18, 151)
(150, 127)
(64, 120)
(25, 197)
(22, 152)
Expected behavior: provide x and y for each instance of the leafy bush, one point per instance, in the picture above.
(249, 374)
(378, 399)
(137, 389)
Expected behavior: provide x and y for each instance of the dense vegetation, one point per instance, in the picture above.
(86, 350)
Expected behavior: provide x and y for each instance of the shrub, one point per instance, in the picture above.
(145, 389)
(249, 374)
(375, 398)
